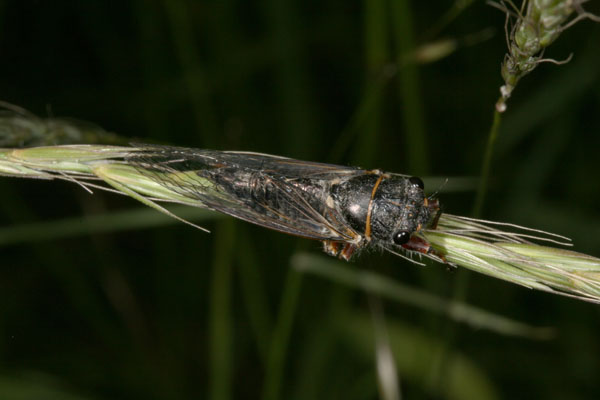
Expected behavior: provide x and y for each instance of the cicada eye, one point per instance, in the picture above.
(416, 181)
(401, 237)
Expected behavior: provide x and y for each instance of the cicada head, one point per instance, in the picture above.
(399, 209)
(385, 210)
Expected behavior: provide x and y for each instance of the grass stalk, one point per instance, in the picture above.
(191, 64)
(220, 318)
(486, 165)
(409, 90)
(254, 294)
(376, 56)
(115, 221)
(294, 85)
(281, 336)
(389, 289)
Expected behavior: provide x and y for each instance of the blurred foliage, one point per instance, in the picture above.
(173, 313)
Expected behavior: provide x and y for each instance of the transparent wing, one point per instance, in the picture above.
(222, 181)
(275, 165)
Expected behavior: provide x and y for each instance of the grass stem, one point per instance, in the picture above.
(221, 341)
(486, 165)
(281, 336)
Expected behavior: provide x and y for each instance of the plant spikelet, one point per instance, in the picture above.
(530, 29)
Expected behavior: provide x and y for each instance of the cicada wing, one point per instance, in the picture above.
(288, 167)
(200, 175)
(210, 159)
(300, 217)
(304, 227)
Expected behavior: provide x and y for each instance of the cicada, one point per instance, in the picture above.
(348, 209)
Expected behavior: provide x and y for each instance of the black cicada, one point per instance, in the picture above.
(346, 208)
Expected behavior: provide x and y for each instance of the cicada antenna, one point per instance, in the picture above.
(438, 190)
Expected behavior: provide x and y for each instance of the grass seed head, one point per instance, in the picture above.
(529, 31)
(506, 251)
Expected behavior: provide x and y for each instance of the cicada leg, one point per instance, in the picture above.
(339, 249)
(422, 246)
(347, 251)
(434, 207)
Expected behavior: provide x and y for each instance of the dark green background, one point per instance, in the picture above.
(173, 313)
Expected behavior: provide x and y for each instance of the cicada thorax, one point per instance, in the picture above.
(352, 198)
(378, 206)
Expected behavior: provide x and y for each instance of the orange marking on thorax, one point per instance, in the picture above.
(370, 209)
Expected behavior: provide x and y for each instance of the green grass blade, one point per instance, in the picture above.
(115, 221)
(220, 317)
(274, 374)
(389, 289)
